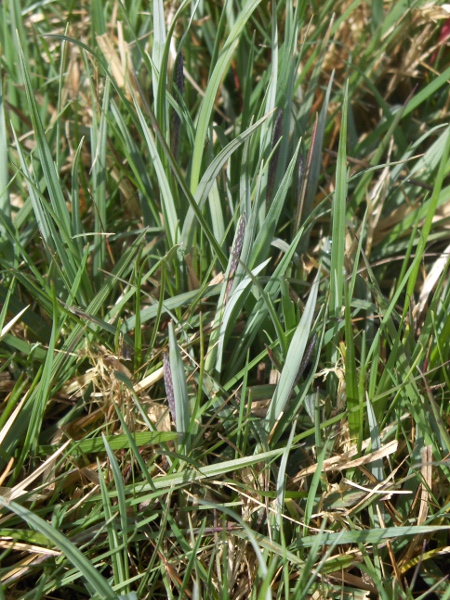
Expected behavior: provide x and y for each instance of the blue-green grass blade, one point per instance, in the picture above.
(293, 360)
(98, 17)
(77, 228)
(159, 40)
(98, 149)
(227, 320)
(261, 246)
(370, 536)
(5, 206)
(182, 407)
(281, 477)
(39, 213)
(216, 211)
(269, 105)
(261, 310)
(160, 54)
(337, 269)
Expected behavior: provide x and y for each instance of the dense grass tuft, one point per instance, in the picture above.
(225, 331)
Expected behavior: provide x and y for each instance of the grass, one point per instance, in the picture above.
(224, 333)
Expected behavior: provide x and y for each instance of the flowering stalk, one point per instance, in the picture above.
(236, 253)
(168, 384)
(277, 129)
(177, 84)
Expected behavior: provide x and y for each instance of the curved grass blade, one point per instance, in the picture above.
(261, 246)
(208, 179)
(229, 318)
(294, 359)
(212, 89)
(68, 251)
(180, 391)
(94, 580)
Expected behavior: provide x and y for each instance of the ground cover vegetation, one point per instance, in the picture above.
(225, 330)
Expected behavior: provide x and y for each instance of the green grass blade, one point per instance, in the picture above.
(123, 574)
(293, 360)
(98, 149)
(111, 528)
(426, 228)
(182, 407)
(371, 536)
(226, 321)
(5, 207)
(337, 270)
(84, 566)
(355, 419)
(171, 221)
(209, 177)
(54, 187)
(159, 39)
(217, 75)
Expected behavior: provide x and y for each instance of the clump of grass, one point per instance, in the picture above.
(224, 325)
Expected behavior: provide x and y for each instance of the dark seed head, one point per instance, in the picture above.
(236, 253)
(277, 130)
(178, 73)
(177, 84)
(168, 384)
